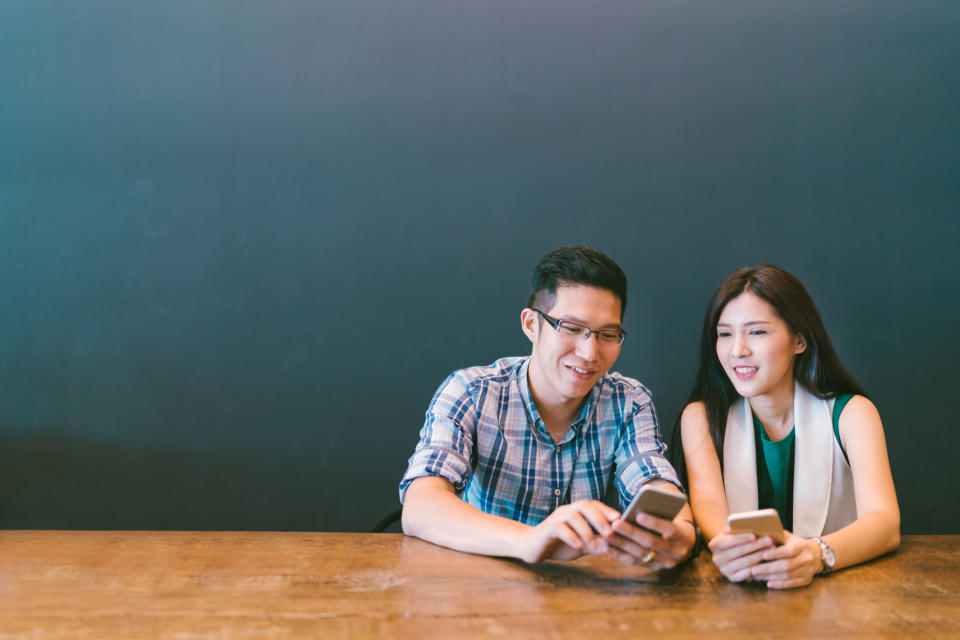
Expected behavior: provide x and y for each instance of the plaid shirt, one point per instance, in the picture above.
(484, 434)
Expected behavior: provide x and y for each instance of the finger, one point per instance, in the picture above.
(632, 532)
(726, 541)
(792, 583)
(628, 546)
(621, 556)
(782, 552)
(639, 543)
(608, 512)
(575, 520)
(597, 514)
(568, 536)
(742, 563)
(739, 576)
(778, 569)
(653, 523)
(732, 553)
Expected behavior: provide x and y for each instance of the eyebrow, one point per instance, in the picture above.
(746, 324)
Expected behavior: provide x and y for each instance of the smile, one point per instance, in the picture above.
(745, 372)
(580, 373)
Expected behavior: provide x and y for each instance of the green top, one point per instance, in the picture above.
(775, 465)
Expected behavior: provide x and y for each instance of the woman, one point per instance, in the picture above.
(774, 420)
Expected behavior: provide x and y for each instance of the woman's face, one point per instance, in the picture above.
(755, 347)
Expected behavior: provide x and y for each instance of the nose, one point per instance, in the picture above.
(739, 348)
(588, 347)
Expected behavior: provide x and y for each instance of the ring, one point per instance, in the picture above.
(650, 556)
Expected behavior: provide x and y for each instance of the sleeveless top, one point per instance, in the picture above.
(822, 496)
(775, 465)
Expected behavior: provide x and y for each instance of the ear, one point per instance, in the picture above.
(801, 345)
(528, 323)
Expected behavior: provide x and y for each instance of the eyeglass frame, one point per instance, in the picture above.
(556, 323)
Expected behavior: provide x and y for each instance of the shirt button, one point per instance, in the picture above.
(556, 492)
(558, 448)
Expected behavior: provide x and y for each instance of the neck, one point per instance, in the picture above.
(775, 411)
(557, 414)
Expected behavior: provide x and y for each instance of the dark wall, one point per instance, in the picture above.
(242, 243)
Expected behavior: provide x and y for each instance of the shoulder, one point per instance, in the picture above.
(620, 387)
(693, 420)
(694, 413)
(471, 380)
(500, 371)
(858, 415)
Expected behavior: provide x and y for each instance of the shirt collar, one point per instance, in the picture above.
(530, 407)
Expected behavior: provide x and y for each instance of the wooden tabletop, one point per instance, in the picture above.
(144, 584)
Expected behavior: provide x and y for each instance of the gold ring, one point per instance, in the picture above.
(650, 556)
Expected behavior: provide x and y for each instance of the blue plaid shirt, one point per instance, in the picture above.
(484, 434)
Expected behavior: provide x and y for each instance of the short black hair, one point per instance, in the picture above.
(579, 265)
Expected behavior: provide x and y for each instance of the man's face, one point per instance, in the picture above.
(564, 368)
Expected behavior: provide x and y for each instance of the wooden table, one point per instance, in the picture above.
(94, 584)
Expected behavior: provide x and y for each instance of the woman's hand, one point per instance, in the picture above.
(737, 554)
(792, 564)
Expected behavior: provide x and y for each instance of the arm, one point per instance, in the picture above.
(432, 511)
(440, 468)
(639, 460)
(877, 528)
(734, 555)
(704, 477)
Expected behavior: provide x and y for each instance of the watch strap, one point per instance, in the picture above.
(827, 557)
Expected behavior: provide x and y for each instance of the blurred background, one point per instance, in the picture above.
(241, 244)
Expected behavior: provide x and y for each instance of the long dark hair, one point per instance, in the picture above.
(817, 369)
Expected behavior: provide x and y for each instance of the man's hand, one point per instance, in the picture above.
(653, 542)
(571, 531)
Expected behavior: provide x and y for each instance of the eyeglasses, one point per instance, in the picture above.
(605, 337)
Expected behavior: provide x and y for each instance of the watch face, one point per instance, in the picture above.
(829, 557)
(826, 556)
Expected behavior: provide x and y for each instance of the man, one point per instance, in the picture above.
(515, 458)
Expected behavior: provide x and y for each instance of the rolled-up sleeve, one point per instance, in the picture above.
(447, 438)
(641, 454)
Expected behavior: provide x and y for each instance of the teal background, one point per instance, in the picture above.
(242, 243)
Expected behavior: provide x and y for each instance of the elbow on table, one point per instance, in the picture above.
(892, 541)
(895, 536)
(408, 520)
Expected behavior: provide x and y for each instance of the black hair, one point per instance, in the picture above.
(575, 266)
(817, 369)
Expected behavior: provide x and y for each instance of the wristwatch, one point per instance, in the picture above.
(827, 556)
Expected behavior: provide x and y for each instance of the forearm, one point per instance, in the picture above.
(711, 517)
(869, 536)
(433, 512)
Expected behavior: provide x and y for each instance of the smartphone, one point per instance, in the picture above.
(762, 522)
(657, 502)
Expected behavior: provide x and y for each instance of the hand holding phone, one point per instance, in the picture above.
(762, 522)
(656, 502)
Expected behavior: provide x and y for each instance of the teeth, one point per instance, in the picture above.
(578, 369)
(745, 369)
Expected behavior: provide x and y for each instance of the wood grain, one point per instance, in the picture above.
(141, 584)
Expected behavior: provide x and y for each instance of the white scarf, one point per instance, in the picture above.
(813, 466)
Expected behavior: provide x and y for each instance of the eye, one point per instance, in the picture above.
(610, 336)
(758, 332)
(723, 334)
(570, 329)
